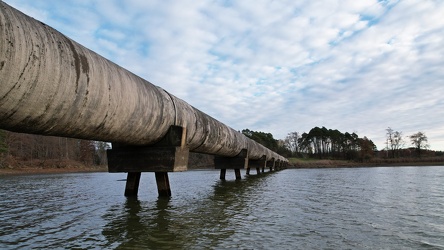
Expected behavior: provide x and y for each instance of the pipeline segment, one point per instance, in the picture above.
(51, 85)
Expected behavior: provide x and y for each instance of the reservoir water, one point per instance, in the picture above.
(350, 208)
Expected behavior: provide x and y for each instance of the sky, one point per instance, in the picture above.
(277, 66)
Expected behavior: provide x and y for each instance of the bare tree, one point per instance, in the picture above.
(394, 141)
(292, 142)
(398, 141)
(87, 151)
(100, 156)
(388, 140)
(419, 140)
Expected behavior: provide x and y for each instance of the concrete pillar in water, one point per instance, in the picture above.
(168, 155)
(270, 164)
(163, 184)
(237, 172)
(132, 184)
(222, 173)
(236, 163)
(277, 165)
(258, 164)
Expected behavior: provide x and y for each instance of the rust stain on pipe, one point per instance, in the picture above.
(51, 85)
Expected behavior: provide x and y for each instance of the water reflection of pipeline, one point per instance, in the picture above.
(183, 224)
(227, 207)
(137, 225)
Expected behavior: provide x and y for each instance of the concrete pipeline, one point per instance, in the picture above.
(51, 85)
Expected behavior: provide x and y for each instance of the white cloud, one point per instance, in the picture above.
(277, 66)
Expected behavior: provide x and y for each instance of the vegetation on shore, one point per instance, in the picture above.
(319, 148)
(327, 163)
(26, 153)
(322, 147)
(33, 154)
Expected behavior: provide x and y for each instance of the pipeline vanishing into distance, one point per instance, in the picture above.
(51, 85)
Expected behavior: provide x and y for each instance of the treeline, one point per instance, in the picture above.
(330, 143)
(16, 148)
(268, 141)
(321, 143)
(318, 143)
(415, 145)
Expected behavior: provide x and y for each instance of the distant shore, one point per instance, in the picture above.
(295, 163)
(39, 170)
(313, 163)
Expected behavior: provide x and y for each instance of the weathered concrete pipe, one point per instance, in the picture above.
(51, 85)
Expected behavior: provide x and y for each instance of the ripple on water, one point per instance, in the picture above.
(291, 209)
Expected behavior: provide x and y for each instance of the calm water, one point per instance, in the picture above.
(365, 208)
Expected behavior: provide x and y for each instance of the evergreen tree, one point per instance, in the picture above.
(323, 142)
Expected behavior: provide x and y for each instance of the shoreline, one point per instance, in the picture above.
(318, 164)
(37, 171)
(314, 164)
(366, 166)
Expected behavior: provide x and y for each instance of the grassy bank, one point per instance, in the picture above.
(327, 163)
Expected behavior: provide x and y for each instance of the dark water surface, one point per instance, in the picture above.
(363, 208)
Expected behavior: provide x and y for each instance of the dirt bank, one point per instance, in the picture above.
(16, 167)
(29, 170)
